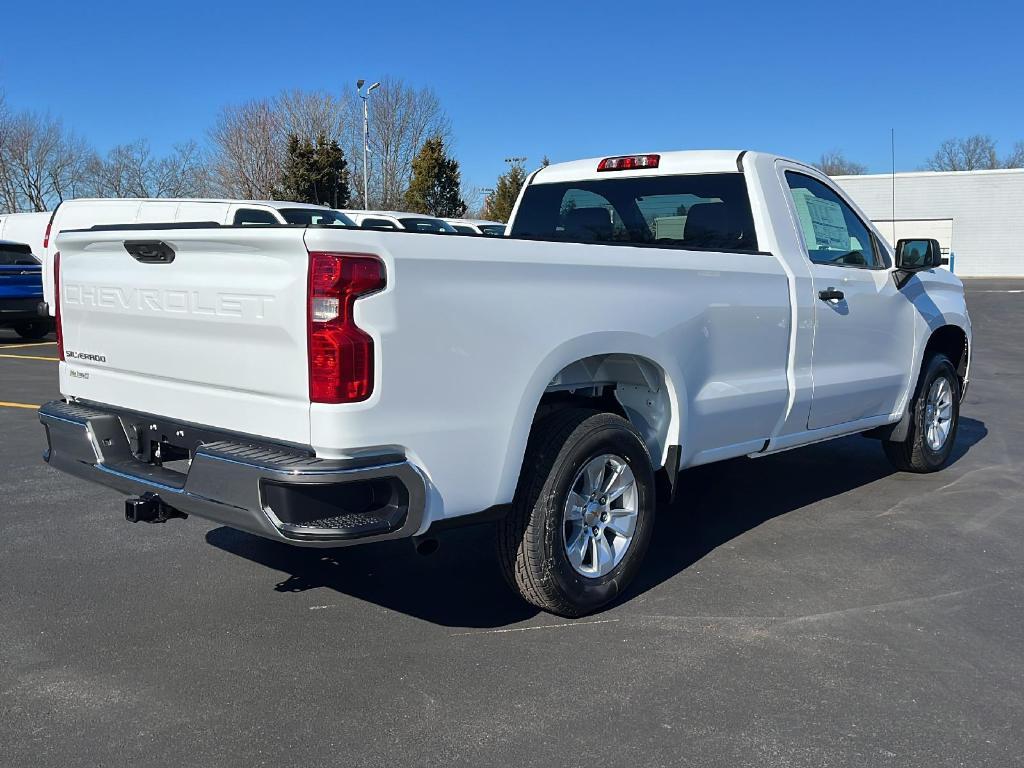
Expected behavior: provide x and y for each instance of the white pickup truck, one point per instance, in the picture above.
(323, 386)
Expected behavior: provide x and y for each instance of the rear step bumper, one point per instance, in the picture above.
(276, 492)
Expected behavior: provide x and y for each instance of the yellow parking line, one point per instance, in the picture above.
(31, 357)
(19, 405)
(33, 344)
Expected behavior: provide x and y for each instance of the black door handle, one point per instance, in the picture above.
(150, 251)
(831, 294)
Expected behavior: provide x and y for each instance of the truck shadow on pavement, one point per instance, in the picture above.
(460, 585)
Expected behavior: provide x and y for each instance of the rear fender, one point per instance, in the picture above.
(579, 349)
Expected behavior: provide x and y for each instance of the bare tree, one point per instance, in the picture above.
(184, 172)
(249, 156)
(40, 162)
(834, 163)
(251, 139)
(131, 170)
(307, 115)
(402, 118)
(8, 189)
(970, 154)
(474, 196)
(1016, 158)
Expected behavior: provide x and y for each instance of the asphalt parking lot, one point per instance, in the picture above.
(806, 609)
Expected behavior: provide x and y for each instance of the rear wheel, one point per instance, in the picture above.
(582, 516)
(934, 420)
(33, 329)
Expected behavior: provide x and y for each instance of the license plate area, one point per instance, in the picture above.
(162, 443)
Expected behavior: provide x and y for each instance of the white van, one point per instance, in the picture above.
(27, 228)
(85, 213)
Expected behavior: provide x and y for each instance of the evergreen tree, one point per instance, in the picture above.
(499, 204)
(315, 173)
(436, 182)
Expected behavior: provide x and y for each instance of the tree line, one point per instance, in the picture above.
(307, 146)
(299, 145)
(972, 153)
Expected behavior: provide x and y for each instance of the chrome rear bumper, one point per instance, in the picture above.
(273, 491)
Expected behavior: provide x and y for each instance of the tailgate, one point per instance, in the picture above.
(215, 337)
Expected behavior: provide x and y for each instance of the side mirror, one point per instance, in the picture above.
(917, 255)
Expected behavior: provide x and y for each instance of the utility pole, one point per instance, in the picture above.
(366, 137)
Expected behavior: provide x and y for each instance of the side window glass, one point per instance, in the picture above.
(833, 232)
(253, 216)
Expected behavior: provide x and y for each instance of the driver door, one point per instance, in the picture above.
(863, 326)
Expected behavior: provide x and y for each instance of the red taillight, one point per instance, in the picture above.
(56, 304)
(46, 235)
(340, 353)
(629, 162)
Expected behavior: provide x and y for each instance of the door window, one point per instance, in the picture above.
(834, 234)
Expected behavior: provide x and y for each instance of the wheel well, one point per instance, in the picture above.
(952, 342)
(633, 387)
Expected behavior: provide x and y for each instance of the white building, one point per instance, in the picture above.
(976, 215)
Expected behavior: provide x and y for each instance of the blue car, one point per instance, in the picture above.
(21, 291)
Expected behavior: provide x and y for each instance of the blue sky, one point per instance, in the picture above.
(531, 77)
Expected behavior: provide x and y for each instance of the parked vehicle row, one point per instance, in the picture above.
(326, 386)
(400, 221)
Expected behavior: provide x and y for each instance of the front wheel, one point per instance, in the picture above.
(935, 416)
(583, 514)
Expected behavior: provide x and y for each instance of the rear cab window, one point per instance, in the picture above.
(698, 211)
(17, 255)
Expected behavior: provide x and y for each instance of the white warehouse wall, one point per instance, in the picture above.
(986, 208)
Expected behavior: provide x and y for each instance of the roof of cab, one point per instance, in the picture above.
(670, 163)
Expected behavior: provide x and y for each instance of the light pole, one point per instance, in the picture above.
(366, 136)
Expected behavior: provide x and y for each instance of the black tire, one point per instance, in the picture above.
(531, 547)
(913, 453)
(33, 329)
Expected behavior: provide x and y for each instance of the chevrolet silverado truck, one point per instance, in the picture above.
(328, 386)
